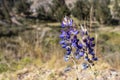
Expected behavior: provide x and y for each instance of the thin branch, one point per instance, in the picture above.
(91, 15)
(76, 68)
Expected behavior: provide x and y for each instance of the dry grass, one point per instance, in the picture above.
(113, 60)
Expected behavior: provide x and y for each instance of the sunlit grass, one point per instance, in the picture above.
(46, 52)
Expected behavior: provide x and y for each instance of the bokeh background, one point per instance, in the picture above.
(29, 37)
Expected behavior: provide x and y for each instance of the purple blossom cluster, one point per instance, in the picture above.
(77, 42)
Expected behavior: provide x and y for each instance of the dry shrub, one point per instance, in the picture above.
(113, 60)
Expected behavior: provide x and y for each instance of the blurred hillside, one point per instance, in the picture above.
(29, 38)
(106, 12)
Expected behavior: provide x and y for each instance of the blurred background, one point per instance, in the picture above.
(29, 36)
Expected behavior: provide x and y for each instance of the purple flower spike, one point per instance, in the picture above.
(71, 42)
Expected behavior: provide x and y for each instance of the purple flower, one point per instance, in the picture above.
(92, 53)
(63, 26)
(71, 43)
(92, 45)
(67, 36)
(77, 56)
(67, 22)
(80, 46)
(75, 40)
(75, 32)
(81, 53)
(62, 36)
(84, 66)
(70, 22)
(86, 58)
(64, 45)
(94, 58)
(62, 42)
(66, 57)
(85, 40)
(74, 44)
(90, 49)
(92, 39)
(87, 45)
(68, 52)
(68, 48)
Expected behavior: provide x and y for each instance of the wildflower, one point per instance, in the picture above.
(66, 22)
(62, 42)
(77, 56)
(81, 53)
(71, 43)
(92, 39)
(75, 32)
(66, 57)
(86, 58)
(68, 52)
(68, 48)
(84, 66)
(94, 58)
(70, 22)
(63, 26)
(92, 53)
(64, 45)
(63, 34)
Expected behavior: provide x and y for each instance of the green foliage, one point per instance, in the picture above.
(3, 67)
(102, 11)
(2, 15)
(60, 13)
(4, 10)
(59, 9)
(81, 9)
(44, 15)
(109, 42)
(9, 8)
(116, 9)
(22, 6)
(26, 60)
